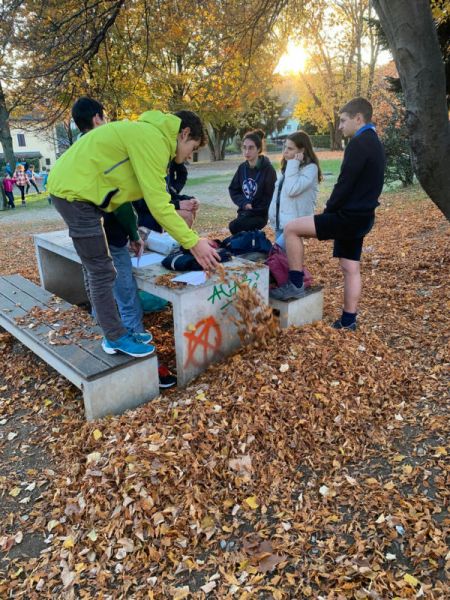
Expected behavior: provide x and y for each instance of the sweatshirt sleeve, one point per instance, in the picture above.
(269, 186)
(128, 219)
(352, 165)
(236, 193)
(149, 158)
(177, 176)
(297, 179)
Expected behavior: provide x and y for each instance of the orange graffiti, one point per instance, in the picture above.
(203, 342)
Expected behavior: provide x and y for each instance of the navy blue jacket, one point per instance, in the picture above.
(176, 179)
(361, 178)
(254, 186)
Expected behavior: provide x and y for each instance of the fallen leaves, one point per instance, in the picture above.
(250, 483)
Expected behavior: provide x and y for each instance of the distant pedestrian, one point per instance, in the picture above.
(21, 181)
(8, 186)
(31, 179)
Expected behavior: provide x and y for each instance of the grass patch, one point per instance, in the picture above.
(331, 166)
(34, 202)
(214, 217)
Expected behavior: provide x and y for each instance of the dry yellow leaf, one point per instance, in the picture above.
(252, 502)
(407, 469)
(440, 451)
(411, 580)
(180, 593)
(398, 457)
(97, 434)
(69, 542)
(15, 491)
(52, 524)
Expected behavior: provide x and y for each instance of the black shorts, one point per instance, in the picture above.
(346, 230)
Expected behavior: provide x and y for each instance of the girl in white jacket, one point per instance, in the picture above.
(296, 189)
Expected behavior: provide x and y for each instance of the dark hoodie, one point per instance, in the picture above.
(254, 186)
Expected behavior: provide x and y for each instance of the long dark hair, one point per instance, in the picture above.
(303, 142)
(257, 136)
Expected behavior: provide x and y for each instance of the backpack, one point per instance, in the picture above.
(183, 260)
(247, 241)
(279, 268)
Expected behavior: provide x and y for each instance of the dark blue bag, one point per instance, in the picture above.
(182, 260)
(247, 241)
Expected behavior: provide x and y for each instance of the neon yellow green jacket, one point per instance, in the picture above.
(121, 162)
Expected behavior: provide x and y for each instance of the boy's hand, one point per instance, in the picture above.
(137, 247)
(205, 255)
(248, 207)
(189, 204)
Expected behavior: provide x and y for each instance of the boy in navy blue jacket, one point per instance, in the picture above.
(349, 214)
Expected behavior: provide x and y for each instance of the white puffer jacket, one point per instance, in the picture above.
(298, 195)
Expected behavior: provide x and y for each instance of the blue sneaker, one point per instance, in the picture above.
(142, 337)
(127, 344)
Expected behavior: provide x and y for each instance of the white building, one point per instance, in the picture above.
(32, 142)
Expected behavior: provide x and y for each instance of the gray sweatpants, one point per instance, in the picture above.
(85, 224)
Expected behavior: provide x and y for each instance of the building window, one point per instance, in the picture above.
(21, 139)
(48, 161)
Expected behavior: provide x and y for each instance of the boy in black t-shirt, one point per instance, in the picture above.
(349, 214)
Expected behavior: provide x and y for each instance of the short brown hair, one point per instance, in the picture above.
(358, 105)
(192, 120)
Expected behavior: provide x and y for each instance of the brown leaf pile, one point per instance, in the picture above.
(255, 319)
(68, 325)
(314, 467)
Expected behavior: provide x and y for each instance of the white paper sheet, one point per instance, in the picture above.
(151, 258)
(192, 277)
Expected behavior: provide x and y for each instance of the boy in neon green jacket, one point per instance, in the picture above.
(106, 170)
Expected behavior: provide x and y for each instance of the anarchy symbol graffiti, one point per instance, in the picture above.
(203, 342)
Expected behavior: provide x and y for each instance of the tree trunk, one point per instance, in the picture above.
(5, 139)
(412, 38)
(216, 143)
(335, 134)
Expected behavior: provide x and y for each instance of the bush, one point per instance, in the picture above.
(398, 154)
(320, 141)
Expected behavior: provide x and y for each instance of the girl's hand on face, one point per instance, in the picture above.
(299, 156)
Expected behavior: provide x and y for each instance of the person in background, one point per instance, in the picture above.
(8, 186)
(21, 181)
(185, 205)
(88, 114)
(31, 179)
(296, 189)
(251, 188)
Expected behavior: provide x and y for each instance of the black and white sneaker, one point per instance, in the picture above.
(166, 379)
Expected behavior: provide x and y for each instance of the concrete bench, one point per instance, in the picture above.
(302, 311)
(201, 313)
(110, 384)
